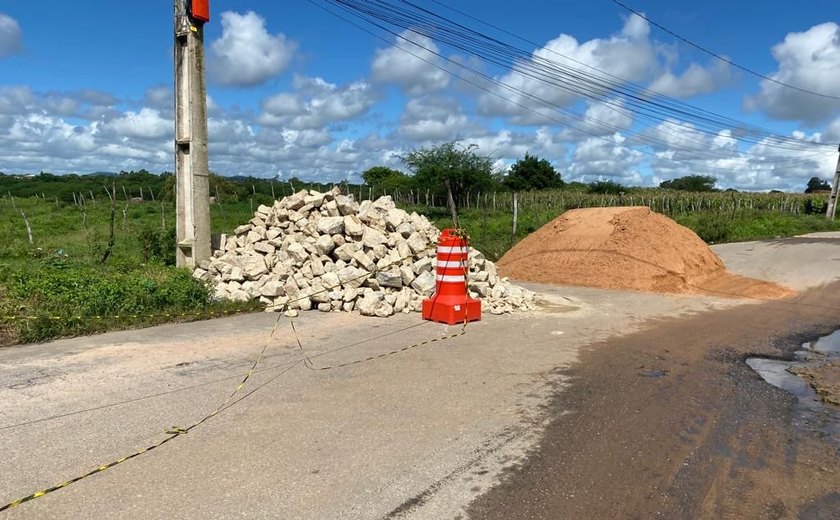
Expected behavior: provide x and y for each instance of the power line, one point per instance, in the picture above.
(722, 58)
(635, 86)
(394, 18)
(499, 53)
(644, 102)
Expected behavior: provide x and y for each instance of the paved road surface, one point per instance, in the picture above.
(415, 435)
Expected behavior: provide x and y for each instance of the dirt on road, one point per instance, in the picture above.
(670, 422)
(825, 380)
(627, 248)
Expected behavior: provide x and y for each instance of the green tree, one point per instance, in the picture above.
(387, 179)
(455, 170)
(817, 184)
(606, 187)
(532, 173)
(375, 175)
(690, 183)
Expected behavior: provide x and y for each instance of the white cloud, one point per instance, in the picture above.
(596, 158)
(17, 99)
(605, 118)
(246, 54)
(145, 124)
(629, 55)
(433, 119)
(695, 80)
(809, 60)
(316, 103)
(160, 97)
(11, 37)
(832, 132)
(320, 130)
(411, 64)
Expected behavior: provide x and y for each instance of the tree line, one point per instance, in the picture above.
(449, 172)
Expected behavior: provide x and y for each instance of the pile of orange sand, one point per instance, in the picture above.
(626, 248)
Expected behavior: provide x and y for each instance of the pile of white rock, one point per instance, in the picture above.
(326, 251)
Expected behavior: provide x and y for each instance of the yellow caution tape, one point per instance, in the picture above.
(177, 431)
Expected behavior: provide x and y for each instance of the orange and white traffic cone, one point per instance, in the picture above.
(450, 303)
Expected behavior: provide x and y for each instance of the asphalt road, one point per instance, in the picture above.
(418, 434)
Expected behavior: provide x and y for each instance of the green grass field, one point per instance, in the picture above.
(60, 273)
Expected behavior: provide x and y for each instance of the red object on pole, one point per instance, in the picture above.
(200, 10)
(450, 303)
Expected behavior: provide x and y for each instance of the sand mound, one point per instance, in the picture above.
(626, 248)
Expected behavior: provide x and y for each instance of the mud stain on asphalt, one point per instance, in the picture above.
(671, 422)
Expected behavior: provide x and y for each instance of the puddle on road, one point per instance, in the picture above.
(815, 414)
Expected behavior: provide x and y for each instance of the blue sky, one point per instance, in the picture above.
(86, 86)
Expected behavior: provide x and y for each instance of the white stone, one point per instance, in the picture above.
(384, 310)
(349, 294)
(424, 265)
(407, 274)
(291, 288)
(353, 226)
(272, 288)
(401, 302)
(383, 204)
(264, 248)
(324, 245)
(364, 260)
(253, 266)
(373, 237)
(417, 242)
(330, 280)
(379, 251)
(330, 225)
(318, 293)
(317, 266)
(481, 288)
(369, 303)
(238, 295)
(297, 252)
(424, 283)
(352, 277)
(492, 271)
(295, 201)
(253, 237)
(314, 199)
(346, 205)
(405, 229)
(403, 250)
(306, 271)
(345, 252)
(394, 217)
(323, 250)
(390, 278)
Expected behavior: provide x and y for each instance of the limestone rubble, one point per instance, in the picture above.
(325, 251)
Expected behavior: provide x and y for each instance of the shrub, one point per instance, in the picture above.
(158, 245)
(78, 290)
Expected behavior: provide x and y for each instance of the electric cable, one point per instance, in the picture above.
(718, 56)
(573, 114)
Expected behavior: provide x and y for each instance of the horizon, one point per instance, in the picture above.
(285, 101)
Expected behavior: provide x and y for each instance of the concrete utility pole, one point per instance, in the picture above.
(832, 199)
(192, 192)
